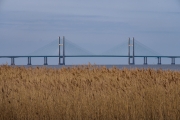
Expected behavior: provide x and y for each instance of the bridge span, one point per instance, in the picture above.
(130, 54)
(29, 58)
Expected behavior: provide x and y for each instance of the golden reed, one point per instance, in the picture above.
(88, 93)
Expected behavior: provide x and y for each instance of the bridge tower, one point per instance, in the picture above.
(63, 51)
(131, 46)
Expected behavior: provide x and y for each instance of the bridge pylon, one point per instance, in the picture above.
(63, 51)
(131, 52)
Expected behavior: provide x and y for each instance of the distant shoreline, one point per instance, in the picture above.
(164, 67)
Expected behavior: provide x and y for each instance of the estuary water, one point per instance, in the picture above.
(163, 67)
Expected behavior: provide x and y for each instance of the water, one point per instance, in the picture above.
(163, 67)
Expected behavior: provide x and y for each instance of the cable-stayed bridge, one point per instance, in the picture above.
(72, 49)
(64, 48)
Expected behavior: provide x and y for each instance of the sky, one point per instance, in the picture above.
(27, 25)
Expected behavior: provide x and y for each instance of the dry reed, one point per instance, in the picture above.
(88, 93)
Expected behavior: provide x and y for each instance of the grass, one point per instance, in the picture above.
(89, 93)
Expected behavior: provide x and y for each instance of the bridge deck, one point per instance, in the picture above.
(88, 56)
(63, 63)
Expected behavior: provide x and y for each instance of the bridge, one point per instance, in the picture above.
(130, 49)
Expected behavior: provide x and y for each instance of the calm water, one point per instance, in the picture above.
(164, 67)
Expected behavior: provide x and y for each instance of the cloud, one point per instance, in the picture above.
(31, 21)
(42, 18)
(1, 4)
(178, 1)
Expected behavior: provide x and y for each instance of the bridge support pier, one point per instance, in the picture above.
(59, 51)
(45, 61)
(29, 61)
(12, 61)
(129, 52)
(63, 52)
(159, 60)
(172, 61)
(145, 60)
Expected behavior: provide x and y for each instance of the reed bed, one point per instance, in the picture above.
(88, 93)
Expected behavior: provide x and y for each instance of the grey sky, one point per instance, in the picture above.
(26, 25)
